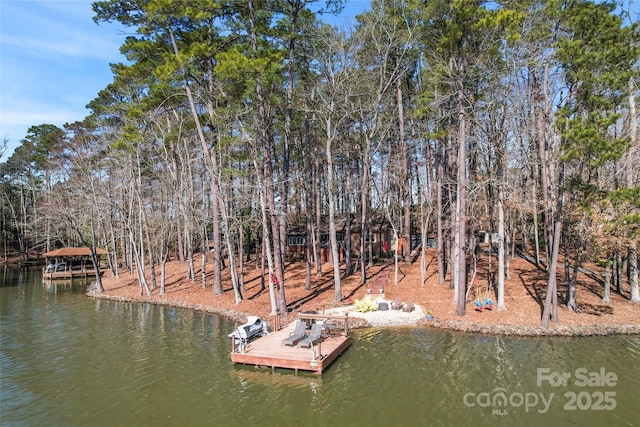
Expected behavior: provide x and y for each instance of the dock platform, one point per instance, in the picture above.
(69, 274)
(268, 351)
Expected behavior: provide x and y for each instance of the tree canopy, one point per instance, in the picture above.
(249, 127)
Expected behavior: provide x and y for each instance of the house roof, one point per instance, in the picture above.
(72, 251)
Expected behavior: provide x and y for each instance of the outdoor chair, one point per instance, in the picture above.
(297, 334)
(409, 306)
(397, 304)
(314, 336)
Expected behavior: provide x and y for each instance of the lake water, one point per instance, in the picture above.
(69, 360)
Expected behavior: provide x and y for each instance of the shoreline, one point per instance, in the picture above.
(361, 320)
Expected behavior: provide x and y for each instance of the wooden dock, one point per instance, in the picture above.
(71, 262)
(268, 351)
(69, 274)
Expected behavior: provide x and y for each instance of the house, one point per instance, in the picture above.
(379, 237)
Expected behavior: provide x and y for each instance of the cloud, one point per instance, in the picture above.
(53, 61)
(58, 28)
(30, 118)
(77, 45)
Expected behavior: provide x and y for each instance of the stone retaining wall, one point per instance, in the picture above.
(532, 331)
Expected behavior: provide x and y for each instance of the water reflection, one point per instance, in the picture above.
(61, 286)
(278, 378)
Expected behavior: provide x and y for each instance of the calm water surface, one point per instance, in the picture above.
(68, 360)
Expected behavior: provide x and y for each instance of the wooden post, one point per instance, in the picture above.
(346, 324)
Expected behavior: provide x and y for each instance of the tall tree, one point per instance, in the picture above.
(597, 53)
(183, 37)
(461, 37)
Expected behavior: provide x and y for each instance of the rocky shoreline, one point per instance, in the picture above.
(532, 331)
(417, 319)
(229, 314)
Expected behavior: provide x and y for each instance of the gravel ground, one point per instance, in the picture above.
(382, 318)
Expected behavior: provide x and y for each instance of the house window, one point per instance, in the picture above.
(370, 238)
(296, 240)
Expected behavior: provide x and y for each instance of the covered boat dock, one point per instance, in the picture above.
(70, 262)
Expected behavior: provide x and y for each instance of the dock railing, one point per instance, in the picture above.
(333, 325)
(332, 321)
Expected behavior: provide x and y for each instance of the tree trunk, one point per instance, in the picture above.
(404, 173)
(318, 216)
(536, 234)
(113, 255)
(215, 203)
(571, 285)
(96, 262)
(364, 214)
(175, 199)
(542, 112)
(164, 256)
(204, 248)
(241, 247)
(347, 246)
(163, 277)
(232, 260)
(633, 133)
(551, 287)
(308, 259)
(308, 202)
(461, 223)
(268, 169)
(442, 267)
(550, 309)
(572, 282)
(618, 268)
(633, 272)
(140, 268)
(335, 257)
(266, 247)
(501, 251)
(291, 77)
(607, 282)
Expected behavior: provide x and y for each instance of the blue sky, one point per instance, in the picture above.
(54, 60)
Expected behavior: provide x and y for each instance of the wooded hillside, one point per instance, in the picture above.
(454, 120)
